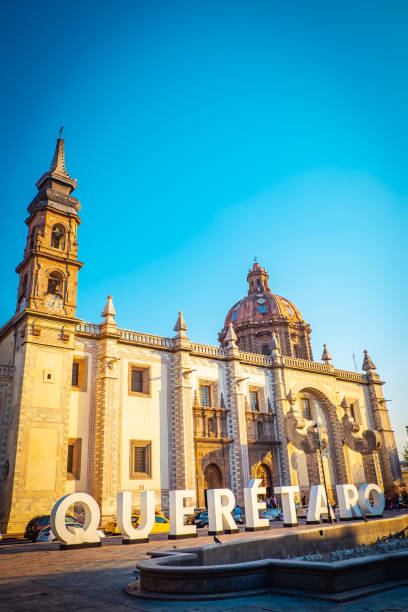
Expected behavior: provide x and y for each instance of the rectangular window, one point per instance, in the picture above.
(205, 395)
(306, 408)
(253, 401)
(70, 459)
(139, 380)
(79, 373)
(74, 458)
(140, 459)
(75, 374)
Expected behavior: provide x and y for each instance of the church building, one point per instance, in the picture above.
(95, 408)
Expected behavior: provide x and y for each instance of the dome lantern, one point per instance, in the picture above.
(257, 279)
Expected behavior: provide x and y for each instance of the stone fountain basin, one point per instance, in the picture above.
(249, 566)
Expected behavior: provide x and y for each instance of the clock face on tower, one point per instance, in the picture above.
(54, 302)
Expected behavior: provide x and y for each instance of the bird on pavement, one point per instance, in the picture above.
(216, 540)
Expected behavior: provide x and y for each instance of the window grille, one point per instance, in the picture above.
(253, 401)
(205, 396)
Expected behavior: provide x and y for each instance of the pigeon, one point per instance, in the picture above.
(216, 540)
(174, 546)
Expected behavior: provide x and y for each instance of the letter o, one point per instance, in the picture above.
(92, 515)
(377, 507)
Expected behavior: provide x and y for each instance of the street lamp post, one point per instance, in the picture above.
(329, 508)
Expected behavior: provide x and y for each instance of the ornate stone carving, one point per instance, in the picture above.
(370, 440)
(308, 443)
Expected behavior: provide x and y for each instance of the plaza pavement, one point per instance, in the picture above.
(40, 577)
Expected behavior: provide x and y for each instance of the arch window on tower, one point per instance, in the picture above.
(296, 351)
(260, 428)
(258, 285)
(58, 236)
(55, 283)
(265, 349)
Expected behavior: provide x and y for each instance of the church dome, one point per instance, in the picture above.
(262, 313)
(260, 306)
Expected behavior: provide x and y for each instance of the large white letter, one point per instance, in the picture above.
(178, 510)
(124, 516)
(288, 504)
(378, 499)
(89, 533)
(252, 506)
(347, 496)
(317, 505)
(221, 503)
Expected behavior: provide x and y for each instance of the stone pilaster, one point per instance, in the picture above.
(372, 471)
(388, 454)
(281, 407)
(239, 458)
(106, 479)
(183, 413)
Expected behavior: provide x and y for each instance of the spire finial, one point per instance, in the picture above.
(231, 337)
(109, 312)
(180, 327)
(255, 259)
(326, 357)
(57, 175)
(368, 362)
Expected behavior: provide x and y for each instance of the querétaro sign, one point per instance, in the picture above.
(353, 503)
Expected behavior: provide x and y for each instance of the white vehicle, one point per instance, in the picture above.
(47, 535)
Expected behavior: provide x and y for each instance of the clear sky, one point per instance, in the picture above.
(203, 134)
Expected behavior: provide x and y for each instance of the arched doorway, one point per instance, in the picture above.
(264, 473)
(212, 479)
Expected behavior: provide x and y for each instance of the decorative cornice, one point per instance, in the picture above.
(50, 198)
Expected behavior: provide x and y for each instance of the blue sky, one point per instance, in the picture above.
(204, 134)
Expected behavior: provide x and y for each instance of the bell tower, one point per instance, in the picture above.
(49, 270)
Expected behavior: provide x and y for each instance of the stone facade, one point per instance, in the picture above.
(91, 407)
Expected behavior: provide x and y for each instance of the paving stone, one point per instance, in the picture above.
(35, 578)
